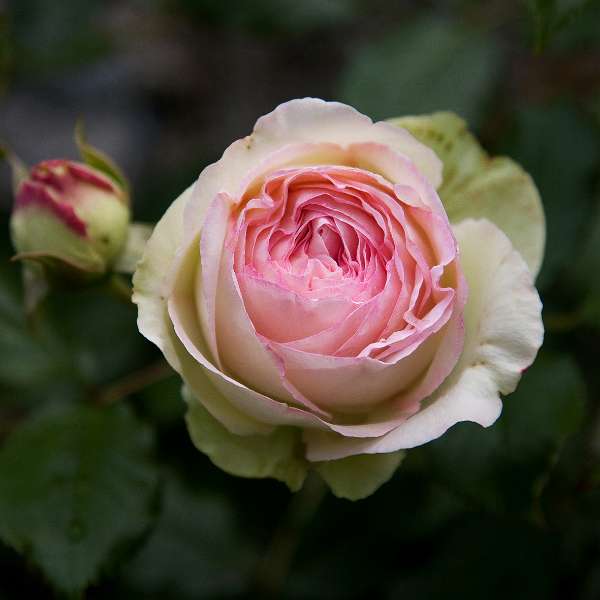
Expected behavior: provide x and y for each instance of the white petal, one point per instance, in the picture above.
(304, 121)
(314, 120)
(150, 278)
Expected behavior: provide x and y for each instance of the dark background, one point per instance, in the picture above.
(117, 499)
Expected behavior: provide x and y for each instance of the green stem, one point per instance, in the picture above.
(275, 565)
(134, 382)
(564, 322)
(119, 287)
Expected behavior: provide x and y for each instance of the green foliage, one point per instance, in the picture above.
(195, 551)
(52, 37)
(271, 16)
(27, 359)
(503, 468)
(77, 488)
(558, 148)
(582, 277)
(483, 557)
(552, 16)
(427, 65)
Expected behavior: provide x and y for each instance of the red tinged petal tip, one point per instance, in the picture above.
(32, 193)
(61, 173)
(57, 186)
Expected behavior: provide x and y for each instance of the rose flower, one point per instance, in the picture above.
(334, 291)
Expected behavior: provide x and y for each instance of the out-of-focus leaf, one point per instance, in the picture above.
(195, 551)
(353, 548)
(161, 402)
(583, 279)
(543, 16)
(497, 468)
(6, 43)
(76, 488)
(594, 105)
(427, 65)
(99, 333)
(482, 558)
(547, 407)
(67, 344)
(49, 38)
(30, 357)
(592, 584)
(272, 15)
(560, 152)
(551, 16)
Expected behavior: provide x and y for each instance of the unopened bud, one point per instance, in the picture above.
(70, 216)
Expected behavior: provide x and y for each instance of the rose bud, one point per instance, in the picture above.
(70, 217)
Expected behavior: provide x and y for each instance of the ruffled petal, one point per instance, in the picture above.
(184, 319)
(297, 122)
(314, 120)
(503, 332)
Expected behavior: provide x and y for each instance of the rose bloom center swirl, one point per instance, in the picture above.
(335, 261)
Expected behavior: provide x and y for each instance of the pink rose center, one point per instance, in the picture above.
(335, 260)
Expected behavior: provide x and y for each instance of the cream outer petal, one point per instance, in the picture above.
(149, 280)
(307, 120)
(504, 331)
(206, 394)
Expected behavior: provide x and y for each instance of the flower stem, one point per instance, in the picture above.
(120, 288)
(134, 382)
(275, 565)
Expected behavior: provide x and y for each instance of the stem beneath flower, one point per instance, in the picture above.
(134, 382)
(275, 565)
(119, 287)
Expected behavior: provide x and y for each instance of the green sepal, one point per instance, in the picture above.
(277, 454)
(19, 169)
(356, 477)
(477, 186)
(100, 160)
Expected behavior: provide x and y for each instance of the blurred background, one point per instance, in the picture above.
(123, 506)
